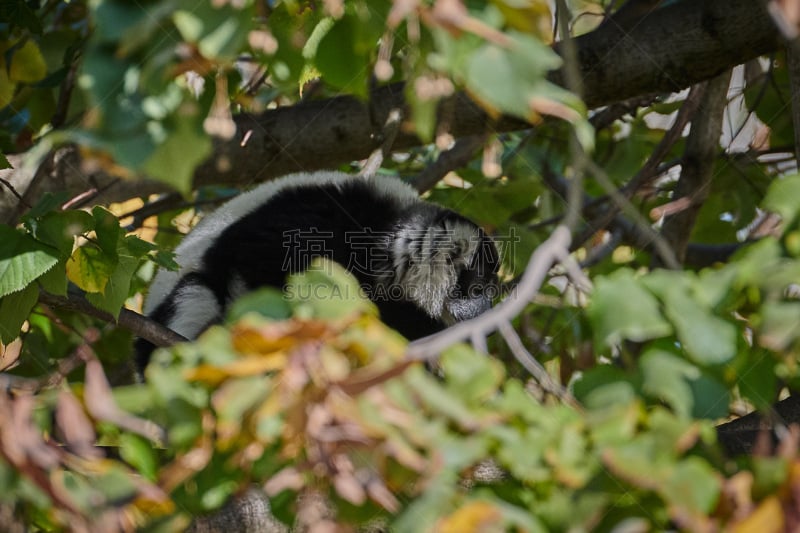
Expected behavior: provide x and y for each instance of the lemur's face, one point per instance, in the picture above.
(449, 268)
(475, 280)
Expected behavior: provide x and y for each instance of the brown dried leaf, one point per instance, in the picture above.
(349, 488)
(74, 426)
(9, 354)
(382, 496)
(287, 479)
(97, 392)
(24, 439)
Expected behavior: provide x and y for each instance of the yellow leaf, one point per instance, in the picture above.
(27, 64)
(245, 366)
(89, 268)
(6, 88)
(474, 517)
(767, 518)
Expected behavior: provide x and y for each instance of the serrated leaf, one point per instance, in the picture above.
(90, 269)
(14, 310)
(54, 280)
(58, 229)
(117, 289)
(22, 260)
(622, 309)
(47, 203)
(137, 247)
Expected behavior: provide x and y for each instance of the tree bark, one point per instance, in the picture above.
(670, 49)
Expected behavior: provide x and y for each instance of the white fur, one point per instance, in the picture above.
(195, 308)
(430, 276)
(190, 251)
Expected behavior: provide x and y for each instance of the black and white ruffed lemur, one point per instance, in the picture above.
(424, 266)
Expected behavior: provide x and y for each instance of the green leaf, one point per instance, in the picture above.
(666, 377)
(90, 269)
(268, 302)
(341, 56)
(326, 290)
(27, 63)
(137, 247)
(706, 338)
(783, 197)
(22, 260)
(471, 375)
(757, 380)
(139, 453)
(115, 484)
(47, 203)
(106, 226)
(711, 398)
(777, 329)
(175, 159)
(54, 280)
(117, 289)
(604, 386)
(692, 486)
(14, 310)
(59, 229)
(4, 162)
(219, 32)
(622, 309)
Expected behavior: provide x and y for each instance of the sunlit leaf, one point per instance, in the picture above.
(174, 160)
(90, 269)
(22, 260)
(622, 309)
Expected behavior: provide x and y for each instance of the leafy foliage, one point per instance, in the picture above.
(312, 400)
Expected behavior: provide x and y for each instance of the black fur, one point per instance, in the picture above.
(354, 224)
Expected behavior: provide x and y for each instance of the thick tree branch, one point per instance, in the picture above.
(672, 48)
(140, 325)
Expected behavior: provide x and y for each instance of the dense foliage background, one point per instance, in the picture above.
(661, 199)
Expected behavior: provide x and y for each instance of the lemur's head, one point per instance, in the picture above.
(445, 264)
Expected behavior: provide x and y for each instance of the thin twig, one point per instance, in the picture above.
(456, 157)
(12, 190)
(540, 262)
(662, 248)
(539, 373)
(390, 131)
